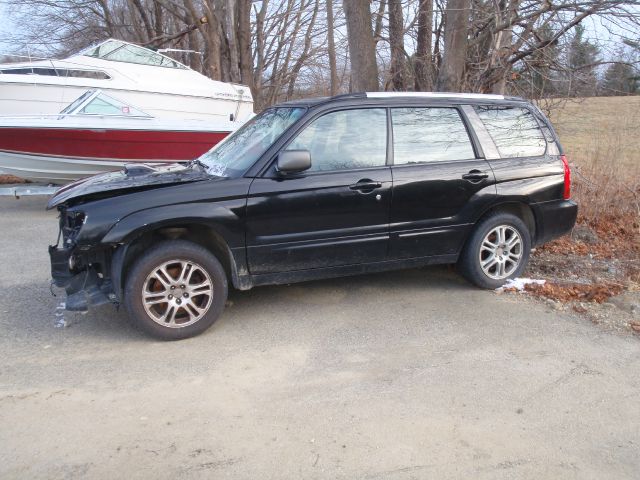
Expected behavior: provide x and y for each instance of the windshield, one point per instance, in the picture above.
(126, 52)
(241, 149)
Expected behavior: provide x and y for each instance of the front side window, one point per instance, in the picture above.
(240, 150)
(514, 130)
(423, 135)
(347, 139)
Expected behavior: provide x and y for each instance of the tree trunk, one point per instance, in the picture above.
(451, 75)
(502, 50)
(244, 42)
(331, 50)
(260, 51)
(229, 9)
(362, 52)
(424, 64)
(396, 42)
(213, 42)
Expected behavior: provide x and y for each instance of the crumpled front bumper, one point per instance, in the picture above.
(85, 288)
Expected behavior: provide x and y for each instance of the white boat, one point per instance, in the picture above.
(98, 133)
(155, 83)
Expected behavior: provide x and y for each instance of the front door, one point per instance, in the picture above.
(337, 212)
(439, 184)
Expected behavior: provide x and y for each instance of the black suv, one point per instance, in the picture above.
(313, 189)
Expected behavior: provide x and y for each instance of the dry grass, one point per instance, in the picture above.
(599, 130)
(602, 141)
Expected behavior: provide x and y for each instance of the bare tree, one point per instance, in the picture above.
(288, 48)
(331, 50)
(364, 69)
(423, 60)
(456, 28)
(396, 43)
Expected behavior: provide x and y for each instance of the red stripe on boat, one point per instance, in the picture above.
(110, 144)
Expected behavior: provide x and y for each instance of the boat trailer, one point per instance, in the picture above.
(27, 189)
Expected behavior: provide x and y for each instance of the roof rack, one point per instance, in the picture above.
(434, 95)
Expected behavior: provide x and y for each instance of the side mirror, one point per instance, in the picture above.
(293, 161)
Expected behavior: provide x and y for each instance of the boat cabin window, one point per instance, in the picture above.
(57, 72)
(94, 102)
(105, 105)
(126, 52)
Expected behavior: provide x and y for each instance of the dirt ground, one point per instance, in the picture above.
(411, 374)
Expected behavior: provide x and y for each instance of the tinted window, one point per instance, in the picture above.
(514, 130)
(429, 135)
(345, 140)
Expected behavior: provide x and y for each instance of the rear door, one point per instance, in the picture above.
(440, 181)
(336, 213)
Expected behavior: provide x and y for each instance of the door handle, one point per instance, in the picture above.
(475, 176)
(365, 186)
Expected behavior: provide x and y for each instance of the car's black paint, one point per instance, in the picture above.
(433, 206)
(128, 179)
(318, 220)
(267, 227)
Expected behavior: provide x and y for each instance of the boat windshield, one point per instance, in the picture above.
(233, 156)
(126, 52)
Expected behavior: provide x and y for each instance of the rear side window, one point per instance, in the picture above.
(423, 135)
(344, 140)
(514, 130)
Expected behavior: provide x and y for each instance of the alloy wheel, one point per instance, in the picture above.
(500, 252)
(177, 293)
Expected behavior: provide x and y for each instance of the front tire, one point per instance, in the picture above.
(176, 290)
(497, 250)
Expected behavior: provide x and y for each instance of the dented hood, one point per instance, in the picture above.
(131, 177)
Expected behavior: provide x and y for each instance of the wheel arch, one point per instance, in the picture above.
(518, 208)
(198, 232)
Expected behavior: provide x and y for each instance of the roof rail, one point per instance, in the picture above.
(344, 96)
(434, 95)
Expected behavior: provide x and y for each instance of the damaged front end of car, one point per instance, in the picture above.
(82, 272)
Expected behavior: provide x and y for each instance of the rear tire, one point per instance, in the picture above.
(176, 290)
(497, 250)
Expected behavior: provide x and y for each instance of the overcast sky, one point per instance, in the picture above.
(5, 28)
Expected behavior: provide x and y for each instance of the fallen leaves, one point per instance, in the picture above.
(598, 293)
(9, 179)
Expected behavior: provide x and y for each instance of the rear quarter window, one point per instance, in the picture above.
(514, 130)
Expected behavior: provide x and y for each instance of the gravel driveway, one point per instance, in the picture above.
(410, 374)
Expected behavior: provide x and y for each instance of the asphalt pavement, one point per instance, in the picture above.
(412, 374)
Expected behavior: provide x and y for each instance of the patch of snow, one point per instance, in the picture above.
(519, 283)
(59, 321)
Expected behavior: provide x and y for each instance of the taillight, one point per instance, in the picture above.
(567, 178)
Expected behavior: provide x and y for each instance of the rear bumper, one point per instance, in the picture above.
(554, 219)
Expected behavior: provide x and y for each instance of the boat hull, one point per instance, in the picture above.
(61, 155)
(48, 99)
(109, 144)
(56, 170)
